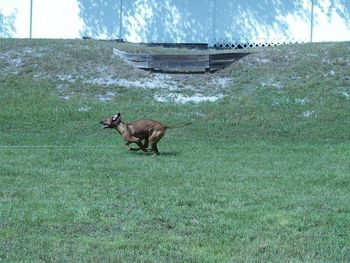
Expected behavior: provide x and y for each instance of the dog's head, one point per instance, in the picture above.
(111, 122)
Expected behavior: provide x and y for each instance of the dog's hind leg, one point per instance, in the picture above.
(154, 139)
(155, 148)
(142, 147)
(146, 143)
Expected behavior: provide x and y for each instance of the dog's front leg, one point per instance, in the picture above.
(132, 139)
(141, 147)
(129, 148)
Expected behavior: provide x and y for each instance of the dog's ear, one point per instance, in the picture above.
(116, 116)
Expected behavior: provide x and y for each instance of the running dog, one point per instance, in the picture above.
(149, 131)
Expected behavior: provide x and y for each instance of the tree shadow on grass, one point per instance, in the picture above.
(7, 28)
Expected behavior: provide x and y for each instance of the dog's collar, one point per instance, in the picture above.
(117, 122)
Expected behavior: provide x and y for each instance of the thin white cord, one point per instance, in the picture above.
(57, 146)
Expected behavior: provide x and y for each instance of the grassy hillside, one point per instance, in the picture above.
(262, 174)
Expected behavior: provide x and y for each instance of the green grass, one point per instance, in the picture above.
(261, 175)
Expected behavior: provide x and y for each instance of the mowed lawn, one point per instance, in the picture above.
(261, 175)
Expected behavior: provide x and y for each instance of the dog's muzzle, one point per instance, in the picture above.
(105, 125)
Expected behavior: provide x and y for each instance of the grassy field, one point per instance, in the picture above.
(262, 174)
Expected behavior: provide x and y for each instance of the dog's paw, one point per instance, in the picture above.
(127, 147)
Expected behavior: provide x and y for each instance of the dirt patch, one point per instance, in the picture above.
(105, 97)
(181, 99)
(70, 64)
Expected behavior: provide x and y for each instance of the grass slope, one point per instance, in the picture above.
(262, 174)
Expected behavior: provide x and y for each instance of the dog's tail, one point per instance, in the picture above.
(178, 125)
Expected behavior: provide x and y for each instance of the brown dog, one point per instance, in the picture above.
(135, 132)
